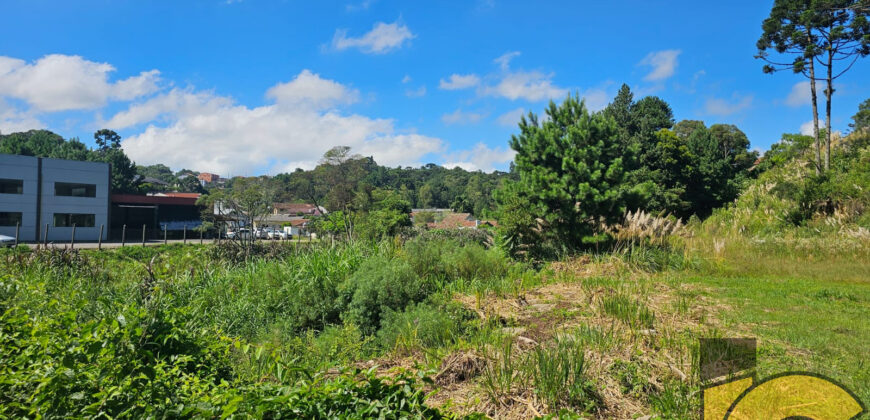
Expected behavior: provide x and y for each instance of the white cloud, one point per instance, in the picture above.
(406, 79)
(663, 63)
(460, 117)
(11, 120)
(416, 93)
(504, 60)
(722, 107)
(458, 81)
(310, 89)
(511, 118)
(596, 99)
(212, 133)
(67, 82)
(480, 158)
(807, 129)
(383, 38)
(165, 106)
(800, 94)
(532, 86)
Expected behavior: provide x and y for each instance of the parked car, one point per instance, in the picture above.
(277, 234)
(242, 233)
(6, 241)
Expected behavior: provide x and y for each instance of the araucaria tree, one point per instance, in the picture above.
(824, 33)
(573, 172)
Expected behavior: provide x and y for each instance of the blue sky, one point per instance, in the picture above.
(245, 87)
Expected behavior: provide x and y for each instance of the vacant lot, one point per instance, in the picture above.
(196, 332)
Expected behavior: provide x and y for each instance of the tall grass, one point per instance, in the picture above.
(631, 312)
(559, 374)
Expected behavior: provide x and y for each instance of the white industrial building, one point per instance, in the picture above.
(39, 192)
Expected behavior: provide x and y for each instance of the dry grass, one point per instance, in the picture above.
(573, 310)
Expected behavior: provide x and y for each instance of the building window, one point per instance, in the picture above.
(10, 218)
(11, 186)
(67, 189)
(69, 219)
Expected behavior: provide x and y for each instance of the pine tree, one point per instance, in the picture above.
(573, 172)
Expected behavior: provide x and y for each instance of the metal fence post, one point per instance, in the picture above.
(123, 234)
(72, 241)
(184, 238)
(200, 235)
(45, 237)
(143, 235)
(165, 229)
(17, 227)
(100, 239)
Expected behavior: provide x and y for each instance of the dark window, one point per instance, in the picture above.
(11, 186)
(10, 218)
(69, 219)
(75, 190)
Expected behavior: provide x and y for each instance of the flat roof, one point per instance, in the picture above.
(152, 199)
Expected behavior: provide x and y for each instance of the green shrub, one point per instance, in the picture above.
(475, 262)
(380, 285)
(297, 293)
(138, 364)
(424, 325)
(349, 396)
(426, 256)
(338, 345)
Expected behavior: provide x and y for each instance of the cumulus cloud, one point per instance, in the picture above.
(383, 38)
(480, 158)
(511, 118)
(800, 94)
(458, 81)
(532, 86)
(213, 133)
(807, 128)
(461, 117)
(166, 106)
(723, 107)
(663, 63)
(310, 89)
(12, 120)
(67, 82)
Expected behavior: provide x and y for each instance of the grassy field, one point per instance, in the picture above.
(471, 332)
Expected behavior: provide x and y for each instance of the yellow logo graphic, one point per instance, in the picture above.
(783, 396)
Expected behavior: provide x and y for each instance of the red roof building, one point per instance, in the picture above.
(208, 178)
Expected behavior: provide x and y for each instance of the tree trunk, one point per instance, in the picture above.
(829, 93)
(815, 116)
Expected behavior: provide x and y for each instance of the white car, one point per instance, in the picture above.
(6, 241)
(243, 233)
(277, 234)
